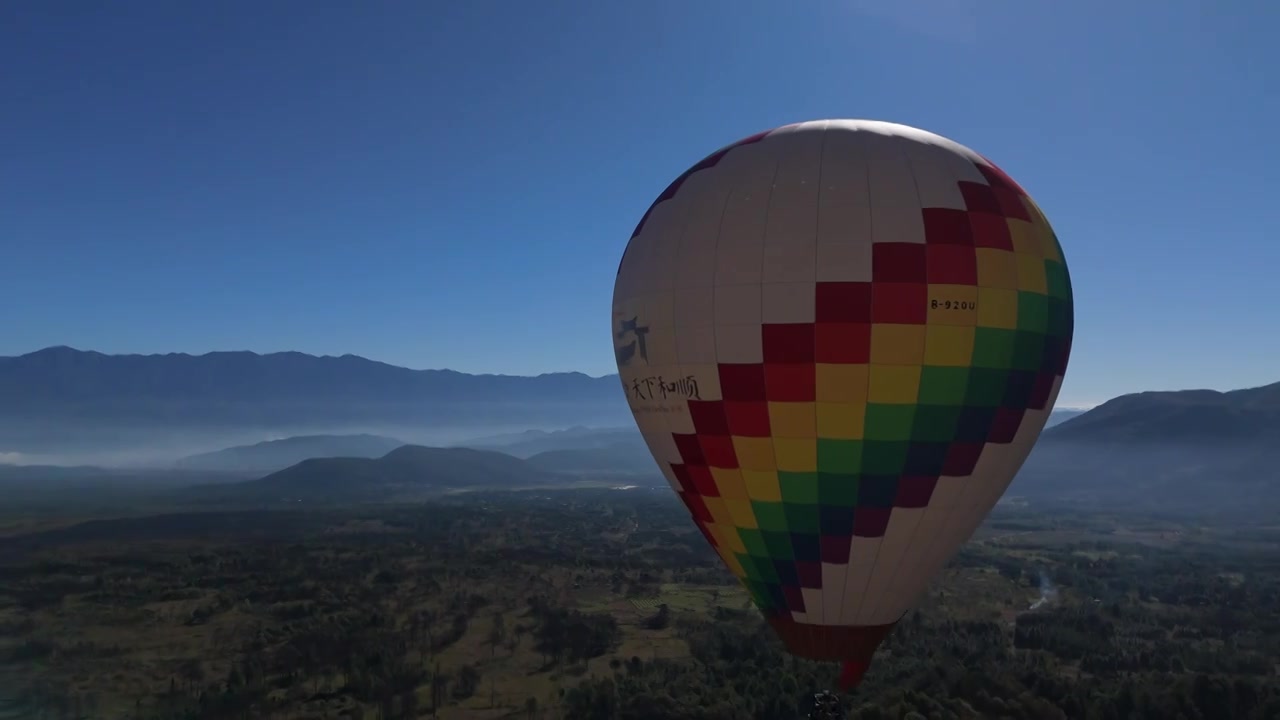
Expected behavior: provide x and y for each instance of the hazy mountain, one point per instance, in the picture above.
(68, 406)
(406, 472)
(1232, 480)
(515, 438)
(279, 454)
(532, 442)
(1186, 416)
(233, 385)
(1057, 417)
(64, 406)
(1194, 451)
(626, 457)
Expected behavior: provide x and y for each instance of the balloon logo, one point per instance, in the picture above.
(840, 340)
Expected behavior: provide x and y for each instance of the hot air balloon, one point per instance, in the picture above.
(840, 340)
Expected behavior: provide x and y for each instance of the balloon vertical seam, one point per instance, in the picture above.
(817, 223)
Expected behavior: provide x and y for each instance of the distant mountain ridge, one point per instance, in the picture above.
(63, 374)
(1181, 450)
(60, 397)
(1190, 452)
(1197, 416)
(272, 455)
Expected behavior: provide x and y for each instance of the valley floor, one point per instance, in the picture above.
(600, 604)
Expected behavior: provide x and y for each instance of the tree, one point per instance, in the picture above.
(409, 704)
(468, 681)
(439, 690)
(497, 633)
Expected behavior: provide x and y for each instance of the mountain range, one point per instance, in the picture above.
(1193, 451)
(81, 406)
(234, 386)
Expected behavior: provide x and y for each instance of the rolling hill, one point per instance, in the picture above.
(408, 472)
(1187, 416)
(1199, 452)
(272, 455)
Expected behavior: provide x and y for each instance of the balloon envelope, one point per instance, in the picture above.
(840, 340)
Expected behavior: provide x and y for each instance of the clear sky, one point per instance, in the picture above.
(440, 184)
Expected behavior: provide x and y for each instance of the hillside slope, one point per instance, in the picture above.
(1195, 416)
(272, 455)
(404, 473)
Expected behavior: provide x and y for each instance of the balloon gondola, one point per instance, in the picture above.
(840, 340)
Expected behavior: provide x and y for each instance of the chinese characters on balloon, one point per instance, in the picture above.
(656, 387)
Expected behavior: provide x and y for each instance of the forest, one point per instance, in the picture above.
(606, 605)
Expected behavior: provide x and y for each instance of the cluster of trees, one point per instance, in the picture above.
(569, 635)
(928, 669)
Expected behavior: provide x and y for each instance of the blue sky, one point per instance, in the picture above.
(452, 184)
